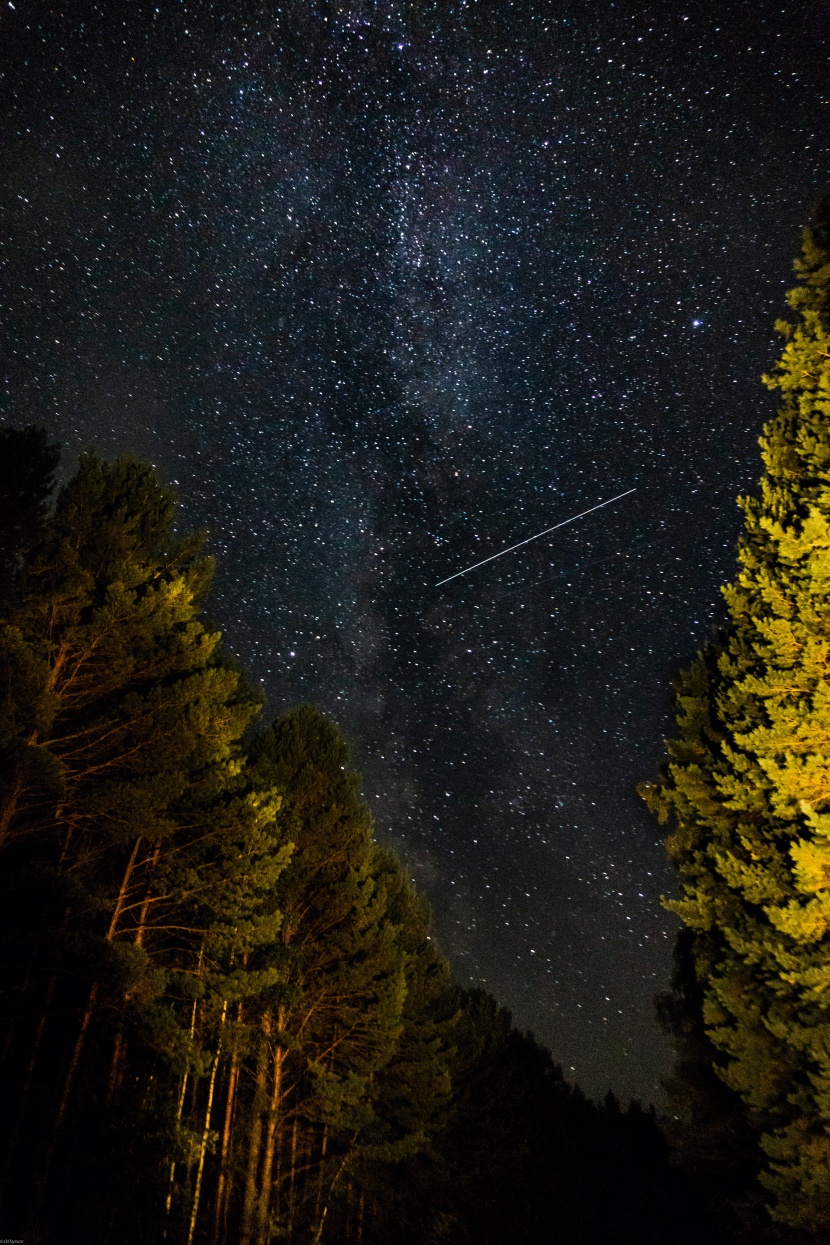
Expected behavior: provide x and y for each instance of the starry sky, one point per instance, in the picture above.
(384, 288)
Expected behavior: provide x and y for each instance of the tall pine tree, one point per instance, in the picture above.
(333, 1017)
(132, 842)
(747, 786)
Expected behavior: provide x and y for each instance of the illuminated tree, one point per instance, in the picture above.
(125, 812)
(747, 786)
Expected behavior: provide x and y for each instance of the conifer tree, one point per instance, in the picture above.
(398, 1172)
(130, 834)
(747, 786)
(333, 1018)
(710, 1137)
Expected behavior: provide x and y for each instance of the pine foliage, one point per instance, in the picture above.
(125, 815)
(223, 1017)
(747, 788)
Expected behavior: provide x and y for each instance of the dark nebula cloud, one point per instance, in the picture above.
(385, 288)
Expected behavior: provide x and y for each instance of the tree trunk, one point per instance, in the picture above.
(206, 1131)
(249, 1204)
(223, 1184)
(272, 1136)
(179, 1110)
(292, 1176)
(151, 862)
(122, 893)
(318, 1235)
(93, 994)
(323, 1149)
(10, 807)
(75, 1058)
(321, 1223)
(223, 1194)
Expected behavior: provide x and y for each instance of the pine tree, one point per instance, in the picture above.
(747, 787)
(133, 842)
(398, 1171)
(333, 1018)
(709, 1134)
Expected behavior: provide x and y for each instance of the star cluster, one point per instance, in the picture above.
(385, 288)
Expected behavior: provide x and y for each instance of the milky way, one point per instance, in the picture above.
(385, 288)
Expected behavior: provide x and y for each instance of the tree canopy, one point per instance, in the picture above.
(747, 786)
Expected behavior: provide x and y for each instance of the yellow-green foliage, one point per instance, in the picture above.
(747, 787)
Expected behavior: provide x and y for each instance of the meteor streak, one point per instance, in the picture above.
(502, 552)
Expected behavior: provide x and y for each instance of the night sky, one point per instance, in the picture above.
(384, 288)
